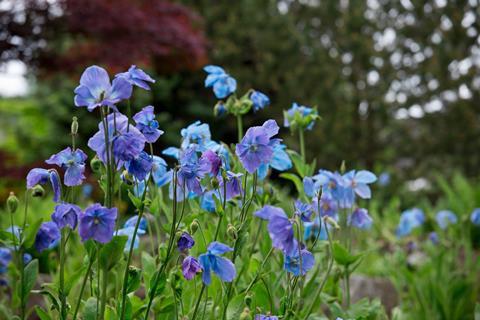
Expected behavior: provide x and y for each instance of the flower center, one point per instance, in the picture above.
(96, 220)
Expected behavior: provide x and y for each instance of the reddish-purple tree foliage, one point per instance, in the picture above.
(70, 34)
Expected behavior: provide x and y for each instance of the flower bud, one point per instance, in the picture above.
(12, 203)
(215, 183)
(194, 226)
(96, 164)
(246, 315)
(74, 128)
(178, 234)
(343, 167)
(232, 232)
(38, 191)
(127, 178)
(332, 222)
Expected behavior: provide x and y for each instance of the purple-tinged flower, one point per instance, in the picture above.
(97, 223)
(212, 261)
(233, 186)
(214, 161)
(265, 317)
(257, 146)
(161, 175)
(196, 133)
(185, 242)
(190, 267)
(136, 77)
(358, 181)
(146, 123)
(47, 236)
(259, 100)
(433, 237)
(280, 161)
(129, 231)
(314, 229)
(409, 220)
(95, 89)
(299, 263)
(300, 117)
(73, 161)
(192, 170)
(124, 140)
(141, 166)
(223, 84)
(475, 216)
(42, 176)
(131, 222)
(303, 210)
(326, 207)
(66, 215)
(279, 227)
(5, 258)
(360, 219)
(445, 217)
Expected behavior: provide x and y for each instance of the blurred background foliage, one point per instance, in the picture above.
(395, 81)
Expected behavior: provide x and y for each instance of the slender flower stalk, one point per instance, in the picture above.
(82, 288)
(240, 127)
(301, 136)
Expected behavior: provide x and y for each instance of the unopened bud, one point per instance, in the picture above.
(343, 167)
(38, 191)
(332, 222)
(12, 203)
(96, 164)
(178, 234)
(232, 232)
(194, 226)
(248, 299)
(74, 128)
(246, 315)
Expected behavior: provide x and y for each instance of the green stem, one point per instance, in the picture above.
(198, 302)
(84, 282)
(302, 143)
(240, 127)
(104, 292)
(61, 291)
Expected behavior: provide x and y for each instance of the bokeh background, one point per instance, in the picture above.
(396, 82)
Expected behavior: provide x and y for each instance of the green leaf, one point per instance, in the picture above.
(342, 256)
(73, 279)
(90, 310)
(42, 314)
(30, 276)
(112, 252)
(162, 281)
(235, 307)
(137, 202)
(298, 163)
(31, 233)
(134, 279)
(295, 179)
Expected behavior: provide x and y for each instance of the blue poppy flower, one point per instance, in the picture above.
(360, 219)
(475, 216)
(42, 176)
(208, 203)
(212, 261)
(213, 160)
(66, 215)
(73, 161)
(234, 185)
(265, 317)
(97, 223)
(327, 205)
(196, 133)
(160, 173)
(300, 117)
(409, 220)
(190, 267)
(257, 146)
(223, 84)
(95, 89)
(299, 263)
(192, 170)
(445, 217)
(280, 228)
(259, 100)
(131, 223)
(185, 242)
(128, 231)
(358, 181)
(141, 166)
(280, 161)
(303, 210)
(313, 229)
(137, 77)
(146, 123)
(48, 236)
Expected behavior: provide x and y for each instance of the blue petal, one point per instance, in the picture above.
(224, 269)
(364, 176)
(218, 248)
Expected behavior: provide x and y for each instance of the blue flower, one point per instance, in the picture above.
(409, 220)
(95, 89)
(126, 141)
(303, 210)
(146, 123)
(300, 117)
(66, 215)
(280, 161)
(42, 176)
(233, 186)
(360, 219)
(279, 227)
(185, 242)
(223, 84)
(131, 222)
(259, 100)
(264, 317)
(137, 77)
(161, 175)
(299, 263)
(433, 237)
(196, 133)
(73, 161)
(257, 146)
(212, 261)
(5, 258)
(445, 217)
(213, 160)
(192, 170)
(47, 236)
(128, 231)
(314, 229)
(475, 216)
(208, 203)
(384, 179)
(327, 205)
(141, 166)
(358, 181)
(97, 223)
(190, 267)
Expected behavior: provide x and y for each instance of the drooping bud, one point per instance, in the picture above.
(38, 191)
(232, 232)
(96, 164)
(246, 315)
(74, 128)
(194, 226)
(12, 203)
